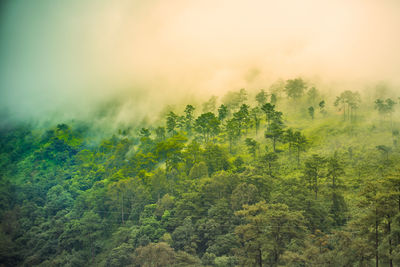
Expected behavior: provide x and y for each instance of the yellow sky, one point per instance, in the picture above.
(76, 52)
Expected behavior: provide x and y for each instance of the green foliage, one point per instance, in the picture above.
(189, 117)
(216, 158)
(208, 190)
(199, 170)
(267, 231)
(312, 95)
(313, 172)
(222, 112)
(207, 124)
(295, 88)
(210, 105)
(172, 122)
(348, 101)
(252, 146)
(233, 100)
(261, 98)
(311, 112)
(154, 255)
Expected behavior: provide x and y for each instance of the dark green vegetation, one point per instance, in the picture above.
(307, 180)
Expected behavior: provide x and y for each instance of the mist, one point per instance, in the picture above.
(64, 59)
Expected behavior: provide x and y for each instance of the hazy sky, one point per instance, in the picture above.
(66, 55)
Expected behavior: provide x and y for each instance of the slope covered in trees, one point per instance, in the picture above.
(283, 177)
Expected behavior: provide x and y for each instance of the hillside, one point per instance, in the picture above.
(283, 178)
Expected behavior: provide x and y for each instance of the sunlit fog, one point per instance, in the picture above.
(62, 58)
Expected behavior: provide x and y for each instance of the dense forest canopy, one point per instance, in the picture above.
(200, 133)
(284, 176)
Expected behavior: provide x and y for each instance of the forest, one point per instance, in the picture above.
(291, 175)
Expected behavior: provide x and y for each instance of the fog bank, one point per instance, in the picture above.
(62, 58)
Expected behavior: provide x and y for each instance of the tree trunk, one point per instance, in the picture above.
(276, 256)
(273, 143)
(259, 257)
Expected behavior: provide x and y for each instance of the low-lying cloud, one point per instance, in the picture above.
(64, 57)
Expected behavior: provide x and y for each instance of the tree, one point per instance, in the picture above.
(252, 146)
(207, 125)
(171, 122)
(192, 155)
(242, 118)
(210, 105)
(154, 255)
(385, 108)
(274, 132)
(296, 141)
(181, 123)
(340, 103)
(349, 101)
(222, 112)
(216, 158)
(146, 143)
(311, 112)
(269, 160)
(232, 128)
(242, 95)
(189, 118)
(273, 99)
(261, 97)
(82, 233)
(158, 183)
(312, 95)
(299, 143)
(58, 199)
(199, 170)
(238, 163)
(372, 216)
(353, 101)
(267, 231)
(244, 194)
(392, 210)
(234, 100)
(269, 111)
(313, 172)
(184, 237)
(170, 150)
(277, 88)
(144, 132)
(255, 114)
(334, 171)
(295, 88)
(160, 132)
(322, 107)
(120, 256)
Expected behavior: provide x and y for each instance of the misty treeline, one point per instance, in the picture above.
(287, 176)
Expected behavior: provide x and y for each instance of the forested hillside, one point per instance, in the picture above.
(290, 176)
